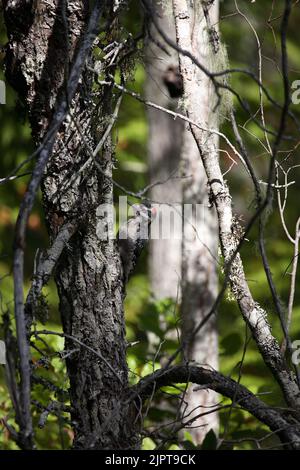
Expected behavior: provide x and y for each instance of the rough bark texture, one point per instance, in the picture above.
(43, 40)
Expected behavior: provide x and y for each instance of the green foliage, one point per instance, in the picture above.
(231, 344)
(153, 325)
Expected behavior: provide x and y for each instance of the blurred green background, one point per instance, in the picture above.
(142, 314)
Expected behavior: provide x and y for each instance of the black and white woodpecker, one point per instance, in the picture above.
(133, 237)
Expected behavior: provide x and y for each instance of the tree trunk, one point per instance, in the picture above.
(189, 266)
(200, 246)
(43, 42)
(164, 146)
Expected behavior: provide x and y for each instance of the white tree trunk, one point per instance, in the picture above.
(192, 262)
(199, 273)
(165, 138)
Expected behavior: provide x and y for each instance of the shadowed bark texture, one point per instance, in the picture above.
(44, 38)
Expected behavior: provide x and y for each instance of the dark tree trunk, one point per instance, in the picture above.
(44, 38)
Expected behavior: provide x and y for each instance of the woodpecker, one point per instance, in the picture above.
(133, 237)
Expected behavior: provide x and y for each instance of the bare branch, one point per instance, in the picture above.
(214, 380)
(45, 267)
(253, 314)
(77, 341)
